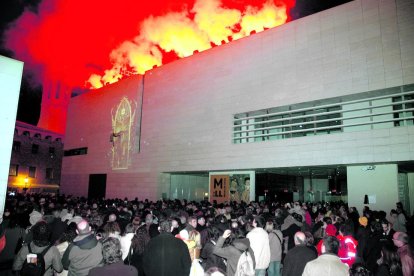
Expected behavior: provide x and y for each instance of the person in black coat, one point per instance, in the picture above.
(14, 235)
(57, 226)
(166, 255)
(297, 258)
(372, 251)
(387, 231)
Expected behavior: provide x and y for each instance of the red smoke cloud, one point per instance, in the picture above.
(94, 42)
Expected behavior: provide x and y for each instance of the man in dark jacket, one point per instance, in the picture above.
(297, 257)
(166, 255)
(84, 253)
(57, 226)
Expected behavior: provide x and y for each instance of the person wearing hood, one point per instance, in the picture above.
(298, 210)
(233, 251)
(291, 225)
(84, 253)
(34, 217)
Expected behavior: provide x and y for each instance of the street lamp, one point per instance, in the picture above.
(26, 182)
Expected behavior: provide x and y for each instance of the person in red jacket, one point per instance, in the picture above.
(330, 230)
(348, 245)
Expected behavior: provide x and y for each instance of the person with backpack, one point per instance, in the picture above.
(46, 257)
(238, 254)
(84, 253)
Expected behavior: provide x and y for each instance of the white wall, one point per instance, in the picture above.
(10, 79)
(189, 104)
(381, 182)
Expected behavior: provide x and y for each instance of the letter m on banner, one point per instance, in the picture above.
(219, 188)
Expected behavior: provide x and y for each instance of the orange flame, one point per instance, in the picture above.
(184, 32)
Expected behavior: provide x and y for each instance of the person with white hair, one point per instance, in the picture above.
(297, 257)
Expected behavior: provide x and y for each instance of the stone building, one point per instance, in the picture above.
(36, 159)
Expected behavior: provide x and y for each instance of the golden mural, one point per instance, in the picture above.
(122, 122)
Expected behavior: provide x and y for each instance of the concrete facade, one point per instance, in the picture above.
(11, 72)
(188, 105)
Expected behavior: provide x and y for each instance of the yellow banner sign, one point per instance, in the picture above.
(219, 188)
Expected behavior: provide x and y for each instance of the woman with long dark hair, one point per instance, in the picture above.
(138, 244)
(210, 259)
(390, 264)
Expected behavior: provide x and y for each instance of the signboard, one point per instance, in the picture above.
(219, 188)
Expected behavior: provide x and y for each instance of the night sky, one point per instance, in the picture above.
(30, 94)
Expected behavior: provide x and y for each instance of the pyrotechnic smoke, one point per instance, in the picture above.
(96, 42)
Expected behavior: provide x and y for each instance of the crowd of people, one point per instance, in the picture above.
(76, 236)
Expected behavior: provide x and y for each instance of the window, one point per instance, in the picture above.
(26, 133)
(14, 170)
(382, 108)
(49, 173)
(37, 135)
(16, 146)
(35, 149)
(32, 172)
(78, 151)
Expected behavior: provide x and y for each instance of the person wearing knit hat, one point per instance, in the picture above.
(35, 217)
(363, 221)
(331, 230)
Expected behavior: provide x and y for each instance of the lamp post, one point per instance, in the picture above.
(26, 182)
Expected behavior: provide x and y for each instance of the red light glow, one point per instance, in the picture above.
(92, 43)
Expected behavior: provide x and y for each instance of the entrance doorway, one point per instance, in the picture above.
(97, 186)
